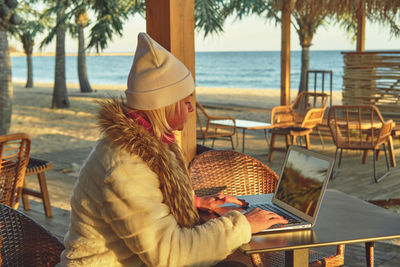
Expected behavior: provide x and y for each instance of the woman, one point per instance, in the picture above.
(133, 204)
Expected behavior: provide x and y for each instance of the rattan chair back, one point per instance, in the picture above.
(206, 129)
(230, 172)
(306, 111)
(358, 127)
(23, 242)
(14, 158)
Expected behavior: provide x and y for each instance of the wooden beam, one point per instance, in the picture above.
(285, 53)
(171, 24)
(361, 27)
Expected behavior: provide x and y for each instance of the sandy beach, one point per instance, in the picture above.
(59, 129)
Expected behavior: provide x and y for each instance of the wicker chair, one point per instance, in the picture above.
(234, 173)
(23, 242)
(207, 130)
(14, 158)
(298, 119)
(360, 128)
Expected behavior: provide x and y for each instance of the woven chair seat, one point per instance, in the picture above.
(37, 165)
(26, 243)
(356, 145)
(291, 131)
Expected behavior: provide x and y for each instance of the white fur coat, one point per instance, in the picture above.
(121, 217)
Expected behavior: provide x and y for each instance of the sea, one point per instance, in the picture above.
(250, 69)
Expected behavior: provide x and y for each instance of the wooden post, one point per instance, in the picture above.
(296, 258)
(361, 27)
(285, 53)
(171, 24)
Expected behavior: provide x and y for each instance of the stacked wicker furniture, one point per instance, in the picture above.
(23, 242)
(14, 157)
(372, 78)
(298, 119)
(207, 130)
(234, 173)
(360, 127)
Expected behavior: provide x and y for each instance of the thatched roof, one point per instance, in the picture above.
(380, 8)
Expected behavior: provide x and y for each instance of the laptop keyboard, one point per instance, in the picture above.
(266, 206)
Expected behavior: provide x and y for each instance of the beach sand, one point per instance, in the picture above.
(65, 129)
(66, 136)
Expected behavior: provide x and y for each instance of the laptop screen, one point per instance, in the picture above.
(302, 181)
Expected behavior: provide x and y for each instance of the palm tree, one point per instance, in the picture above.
(60, 95)
(82, 21)
(308, 17)
(7, 17)
(26, 31)
(6, 89)
(110, 16)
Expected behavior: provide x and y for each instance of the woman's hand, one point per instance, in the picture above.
(261, 219)
(213, 201)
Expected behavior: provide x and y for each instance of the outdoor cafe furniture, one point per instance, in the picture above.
(233, 173)
(207, 130)
(23, 242)
(361, 127)
(14, 157)
(244, 125)
(38, 167)
(298, 119)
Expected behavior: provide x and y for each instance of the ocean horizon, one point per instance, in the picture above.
(227, 69)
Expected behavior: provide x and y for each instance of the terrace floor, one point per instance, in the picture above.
(353, 178)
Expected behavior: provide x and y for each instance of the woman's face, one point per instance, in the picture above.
(177, 120)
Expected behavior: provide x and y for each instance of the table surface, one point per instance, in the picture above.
(243, 124)
(342, 219)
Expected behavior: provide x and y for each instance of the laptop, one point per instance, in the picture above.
(299, 192)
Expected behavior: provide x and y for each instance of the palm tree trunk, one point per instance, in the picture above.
(305, 65)
(6, 89)
(29, 81)
(82, 68)
(60, 95)
(28, 44)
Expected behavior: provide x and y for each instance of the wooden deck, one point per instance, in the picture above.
(353, 178)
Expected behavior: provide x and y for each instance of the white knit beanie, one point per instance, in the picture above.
(157, 78)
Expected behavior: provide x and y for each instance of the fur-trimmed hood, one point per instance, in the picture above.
(175, 183)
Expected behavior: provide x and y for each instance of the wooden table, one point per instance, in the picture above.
(342, 219)
(245, 125)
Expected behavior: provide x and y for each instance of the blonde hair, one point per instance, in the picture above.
(158, 118)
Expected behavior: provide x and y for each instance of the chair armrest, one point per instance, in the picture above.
(385, 132)
(282, 116)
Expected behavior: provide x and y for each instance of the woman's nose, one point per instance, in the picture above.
(190, 107)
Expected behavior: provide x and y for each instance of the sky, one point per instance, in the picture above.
(249, 34)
